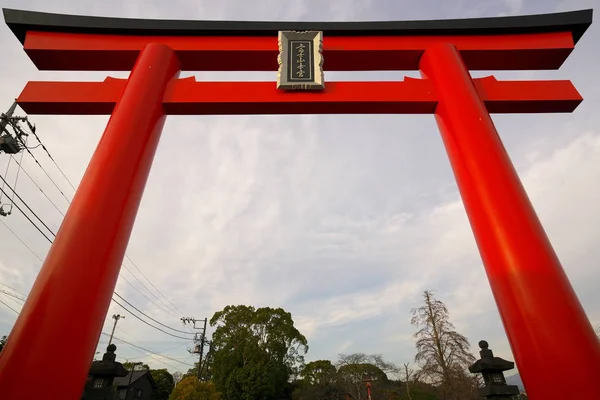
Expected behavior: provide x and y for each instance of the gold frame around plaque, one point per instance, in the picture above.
(284, 80)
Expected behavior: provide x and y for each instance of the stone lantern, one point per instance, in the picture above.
(99, 385)
(492, 369)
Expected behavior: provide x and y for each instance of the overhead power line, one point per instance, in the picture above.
(32, 129)
(38, 186)
(14, 296)
(50, 240)
(24, 203)
(149, 324)
(22, 138)
(45, 172)
(52, 158)
(146, 315)
(147, 350)
(162, 305)
(22, 241)
(54, 235)
(9, 307)
(169, 306)
(29, 219)
(129, 311)
(155, 288)
(13, 289)
(123, 341)
(122, 276)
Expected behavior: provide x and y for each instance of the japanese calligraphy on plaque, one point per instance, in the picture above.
(300, 60)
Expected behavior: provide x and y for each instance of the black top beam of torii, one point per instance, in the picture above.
(21, 21)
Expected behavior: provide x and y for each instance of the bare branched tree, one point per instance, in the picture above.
(442, 353)
(362, 358)
(409, 375)
(177, 376)
(353, 368)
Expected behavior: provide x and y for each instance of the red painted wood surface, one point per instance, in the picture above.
(60, 324)
(188, 97)
(544, 321)
(70, 51)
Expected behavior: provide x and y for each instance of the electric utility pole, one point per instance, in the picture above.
(116, 318)
(202, 338)
(13, 143)
(5, 117)
(199, 340)
(129, 389)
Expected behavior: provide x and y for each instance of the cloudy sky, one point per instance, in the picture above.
(341, 220)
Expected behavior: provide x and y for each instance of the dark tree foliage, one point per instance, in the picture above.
(320, 372)
(255, 352)
(164, 382)
(354, 368)
(304, 391)
(136, 367)
(318, 382)
(191, 388)
(205, 376)
(2, 342)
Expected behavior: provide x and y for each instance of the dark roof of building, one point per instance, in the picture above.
(124, 380)
(21, 21)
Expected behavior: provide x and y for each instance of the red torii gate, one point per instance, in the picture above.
(545, 323)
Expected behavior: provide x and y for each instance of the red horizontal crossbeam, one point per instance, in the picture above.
(189, 97)
(92, 52)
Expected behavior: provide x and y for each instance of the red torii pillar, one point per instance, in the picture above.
(543, 318)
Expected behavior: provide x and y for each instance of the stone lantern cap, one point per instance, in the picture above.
(489, 363)
(108, 367)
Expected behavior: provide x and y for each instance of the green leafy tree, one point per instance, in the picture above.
(191, 372)
(318, 382)
(164, 382)
(136, 366)
(442, 352)
(2, 342)
(304, 391)
(255, 352)
(191, 388)
(321, 380)
(320, 372)
(422, 391)
(207, 363)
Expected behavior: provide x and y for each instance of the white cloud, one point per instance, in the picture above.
(559, 186)
(514, 6)
(568, 5)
